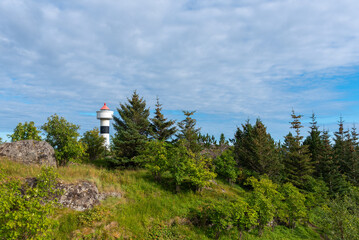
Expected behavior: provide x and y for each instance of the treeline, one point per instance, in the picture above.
(312, 180)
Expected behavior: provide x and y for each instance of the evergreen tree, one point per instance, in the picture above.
(132, 130)
(189, 132)
(352, 161)
(341, 147)
(256, 150)
(207, 140)
(222, 140)
(298, 165)
(314, 143)
(162, 129)
(328, 168)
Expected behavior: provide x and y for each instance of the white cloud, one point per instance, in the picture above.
(241, 58)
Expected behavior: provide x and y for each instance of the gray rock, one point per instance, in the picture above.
(79, 196)
(29, 152)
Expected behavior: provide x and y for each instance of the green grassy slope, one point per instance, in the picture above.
(147, 210)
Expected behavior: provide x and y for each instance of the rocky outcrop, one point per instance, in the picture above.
(29, 152)
(78, 196)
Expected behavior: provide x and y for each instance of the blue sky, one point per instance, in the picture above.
(228, 60)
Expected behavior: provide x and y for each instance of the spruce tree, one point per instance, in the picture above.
(162, 129)
(314, 143)
(132, 130)
(256, 150)
(329, 168)
(341, 147)
(189, 132)
(222, 140)
(298, 165)
(352, 159)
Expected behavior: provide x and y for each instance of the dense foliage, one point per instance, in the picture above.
(93, 143)
(25, 131)
(25, 211)
(63, 137)
(248, 186)
(162, 129)
(132, 130)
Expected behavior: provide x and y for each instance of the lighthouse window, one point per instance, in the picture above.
(105, 129)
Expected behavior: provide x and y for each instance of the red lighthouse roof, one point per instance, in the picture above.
(104, 107)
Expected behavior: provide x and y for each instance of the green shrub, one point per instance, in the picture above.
(226, 166)
(224, 217)
(24, 132)
(265, 200)
(62, 136)
(186, 166)
(24, 211)
(94, 144)
(340, 218)
(88, 217)
(156, 157)
(293, 207)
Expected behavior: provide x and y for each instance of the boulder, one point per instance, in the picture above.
(29, 152)
(79, 196)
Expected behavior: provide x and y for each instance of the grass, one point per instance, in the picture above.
(147, 210)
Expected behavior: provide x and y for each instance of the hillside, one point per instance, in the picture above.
(147, 210)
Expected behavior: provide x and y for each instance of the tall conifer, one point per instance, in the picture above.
(189, 132)
(328, 168)
(297, 160)
(162, 129)
(132, 129)
(315, 145)
(352, 159)
(341, 147)
(256, 150)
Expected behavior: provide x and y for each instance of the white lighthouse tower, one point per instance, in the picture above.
(105, 115)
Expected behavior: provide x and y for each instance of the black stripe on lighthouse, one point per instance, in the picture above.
(104, 129)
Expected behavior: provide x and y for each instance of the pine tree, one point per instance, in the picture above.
(132, 130)
(352, 160)
(222, 140)
(256, 150)
(341, 147)
(298, 165)
(162, 129)
(207, 140)
(328, 168)
(189, 132)
(314, 143)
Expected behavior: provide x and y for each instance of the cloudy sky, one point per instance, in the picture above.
(228, 60)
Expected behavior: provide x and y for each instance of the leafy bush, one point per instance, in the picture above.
(94, 144)
(265, 200)
(293, 207)
(24, 211)
(62, 136)
(156, 157)
(24, 132)
(88, 217)
(339, 219)
(184, 166)
(220, 217)
(226, 166)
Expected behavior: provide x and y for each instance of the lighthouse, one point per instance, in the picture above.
(105, 115)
